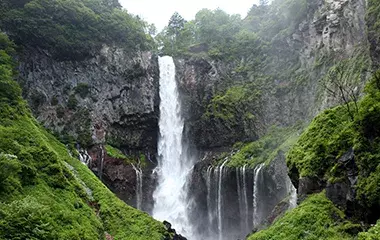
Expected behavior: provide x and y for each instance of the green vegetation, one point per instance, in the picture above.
(45, 193)
(116, 153)
(315, 218)
(372, 234)
(237, 104)
(265, 149)
(72, 103)
(82, 89)
(333, 133)
(328, 137)
(73, 29)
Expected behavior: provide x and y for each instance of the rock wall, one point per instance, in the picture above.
(332, 31)
(111, 97)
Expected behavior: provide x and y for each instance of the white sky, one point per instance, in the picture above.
(159, 11)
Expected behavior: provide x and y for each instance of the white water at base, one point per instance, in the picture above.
(170, 200)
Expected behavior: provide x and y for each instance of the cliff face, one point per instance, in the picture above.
(332, 32)
(111, 97)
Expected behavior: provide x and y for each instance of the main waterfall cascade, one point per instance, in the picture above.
(174, 166)
(238, 199)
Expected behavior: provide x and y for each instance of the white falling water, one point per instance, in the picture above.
(173, 165)
(139, 186)
(256, 217)
(293, 195)
(220, 199)
(245, 201)
(209, 197)
(240, 197)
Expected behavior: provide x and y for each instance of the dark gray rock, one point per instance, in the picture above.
(342, 192)
(112, 96)
(309, 185)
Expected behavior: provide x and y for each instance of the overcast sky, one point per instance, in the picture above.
(159, 11)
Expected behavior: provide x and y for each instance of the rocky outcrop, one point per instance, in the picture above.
(111, 97)
(121, 176)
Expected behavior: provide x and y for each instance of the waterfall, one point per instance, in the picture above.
(174, 166)
(292, 195)
(209, 197)
(241, 182)
(240, 197)
(139, 185)
(256, 218)
(85, 158)
(220, 201)
(246, 209)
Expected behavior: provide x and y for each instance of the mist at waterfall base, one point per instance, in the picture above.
(232, 201)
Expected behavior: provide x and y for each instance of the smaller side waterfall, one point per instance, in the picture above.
(240, 199)
(209, 197)
(256, 195)
(292, 195)
(139, 186)
(85, 158)
(241, 182)
(220, 201)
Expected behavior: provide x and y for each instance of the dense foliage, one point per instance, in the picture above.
(72, 29)
(44, 192)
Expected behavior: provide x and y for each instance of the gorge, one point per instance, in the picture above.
(219, 127)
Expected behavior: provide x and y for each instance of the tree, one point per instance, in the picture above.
(342, 87)
(152, 30)
(176, 24)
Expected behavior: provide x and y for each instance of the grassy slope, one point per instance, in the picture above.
(45, 193)
(316, 218)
